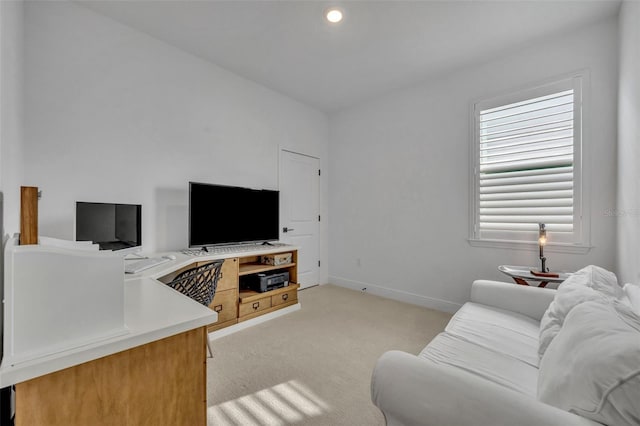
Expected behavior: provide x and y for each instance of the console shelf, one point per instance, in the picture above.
(254, 268)
(252, 303)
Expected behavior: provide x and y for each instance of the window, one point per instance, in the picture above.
(527, 165)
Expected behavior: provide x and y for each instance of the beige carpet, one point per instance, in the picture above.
(313, 366)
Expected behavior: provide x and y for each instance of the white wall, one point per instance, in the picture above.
(399, 177)
(11, 109)
(114, 115)
(628, 259)
(11, 61)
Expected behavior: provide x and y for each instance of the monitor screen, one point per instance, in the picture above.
(111, 226)
(227, 214)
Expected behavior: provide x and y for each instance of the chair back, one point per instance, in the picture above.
(199, 283)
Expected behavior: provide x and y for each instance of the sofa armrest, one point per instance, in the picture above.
(529, 301)
(413, 391)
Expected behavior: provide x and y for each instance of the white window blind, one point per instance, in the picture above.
(526, 164)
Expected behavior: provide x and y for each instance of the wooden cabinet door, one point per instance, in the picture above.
(160, 383)
(225, 303)
(228, 274)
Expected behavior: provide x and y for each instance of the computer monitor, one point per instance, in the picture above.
(111, 226)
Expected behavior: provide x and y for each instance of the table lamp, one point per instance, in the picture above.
(542, 241)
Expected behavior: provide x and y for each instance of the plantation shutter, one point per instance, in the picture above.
(526, 168)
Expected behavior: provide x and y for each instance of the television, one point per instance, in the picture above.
(220, 215)
(111, 226)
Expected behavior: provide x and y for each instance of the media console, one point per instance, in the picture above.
(234, 304)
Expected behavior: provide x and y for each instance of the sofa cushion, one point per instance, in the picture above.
(592, 367)
(503, 331)
(591, 283)
(505, 370)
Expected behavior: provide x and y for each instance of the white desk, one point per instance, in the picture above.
(152, 370)
(155, 372)
(153, 311)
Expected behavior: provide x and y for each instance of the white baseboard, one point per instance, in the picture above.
(402, 296)
(253, 321)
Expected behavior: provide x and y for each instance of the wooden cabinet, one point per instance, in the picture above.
(233, 304)
(225, 302)
(160, 383)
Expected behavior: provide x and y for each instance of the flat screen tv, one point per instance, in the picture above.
(221, 214)
(111, 226)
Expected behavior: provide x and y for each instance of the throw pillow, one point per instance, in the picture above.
(591, 368)
(589, 283)
(632, 292)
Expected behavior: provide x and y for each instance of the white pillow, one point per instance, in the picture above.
(590, 283)
(592, 367)
(632, 292)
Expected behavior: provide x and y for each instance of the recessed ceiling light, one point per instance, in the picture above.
(333, 15)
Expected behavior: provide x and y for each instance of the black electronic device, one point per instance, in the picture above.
(111, 226)
(221, 214)
(265, 282)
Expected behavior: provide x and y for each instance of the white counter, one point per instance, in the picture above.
(182, 260)
(153, 311)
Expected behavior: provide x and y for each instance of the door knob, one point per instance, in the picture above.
(285, 229)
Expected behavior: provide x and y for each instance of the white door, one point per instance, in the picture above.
(299, 183)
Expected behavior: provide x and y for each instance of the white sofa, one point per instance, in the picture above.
(482, 370)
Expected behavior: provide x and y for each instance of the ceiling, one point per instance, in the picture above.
(380, 45)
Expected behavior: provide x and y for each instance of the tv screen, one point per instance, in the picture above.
(229, 215)
(111, 226)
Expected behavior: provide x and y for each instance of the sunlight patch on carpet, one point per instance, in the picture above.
(286, 403)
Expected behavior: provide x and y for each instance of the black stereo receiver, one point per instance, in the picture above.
(265, 282)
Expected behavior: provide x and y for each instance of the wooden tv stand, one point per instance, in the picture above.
(234, 304)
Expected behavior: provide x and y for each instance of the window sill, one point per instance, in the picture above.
(530, 246)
